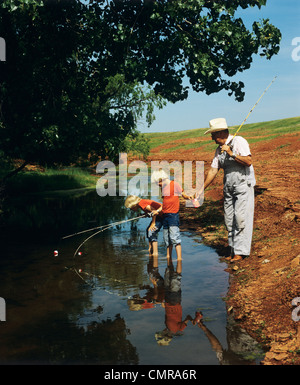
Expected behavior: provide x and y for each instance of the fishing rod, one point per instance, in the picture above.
(99, 227)
(252, 109)
(105, 228)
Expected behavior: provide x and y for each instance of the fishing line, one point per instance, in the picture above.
(102, 228)
(99, 227)
(93, 285)
(105, 228)
(253, 108)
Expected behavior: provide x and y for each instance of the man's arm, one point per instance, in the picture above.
(212, 173)
(244, 160)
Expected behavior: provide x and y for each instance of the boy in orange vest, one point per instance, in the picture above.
(170, 208)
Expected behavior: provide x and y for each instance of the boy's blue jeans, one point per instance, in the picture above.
(171, 230)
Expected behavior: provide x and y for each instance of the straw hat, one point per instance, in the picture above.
(218, 124)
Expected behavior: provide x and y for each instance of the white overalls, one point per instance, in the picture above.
(239, 182)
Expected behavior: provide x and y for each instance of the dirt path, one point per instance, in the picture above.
(262, 286)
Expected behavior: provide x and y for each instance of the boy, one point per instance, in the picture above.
(170, 208)
(134, 203)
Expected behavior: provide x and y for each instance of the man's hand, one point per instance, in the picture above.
(185, 196)
(227, 149)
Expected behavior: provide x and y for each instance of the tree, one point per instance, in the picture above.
(79, 74)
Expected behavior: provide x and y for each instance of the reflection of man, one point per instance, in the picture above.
(224, 356)
(234, 156)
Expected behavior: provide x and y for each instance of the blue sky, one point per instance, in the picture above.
(281, 101)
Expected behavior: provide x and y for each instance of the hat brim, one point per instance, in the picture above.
(215, 130)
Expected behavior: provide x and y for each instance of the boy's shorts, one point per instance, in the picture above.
(152, 235)
(171, 230)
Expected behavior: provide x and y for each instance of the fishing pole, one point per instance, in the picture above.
(252, 109)
(107, 227)
(99, 227)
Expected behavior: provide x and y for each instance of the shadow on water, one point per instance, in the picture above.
(112, 304)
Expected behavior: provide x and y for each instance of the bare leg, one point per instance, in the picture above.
(179, 266)
(150, 248)
(169, 251)
(155, 249)
(178, 251)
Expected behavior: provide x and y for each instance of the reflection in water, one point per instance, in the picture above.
(113, 316)
(167, 292)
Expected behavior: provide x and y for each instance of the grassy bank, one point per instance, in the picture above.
(49, 179)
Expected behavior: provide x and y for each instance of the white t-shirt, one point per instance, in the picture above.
(240, 147)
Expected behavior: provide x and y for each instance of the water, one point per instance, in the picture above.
(102, 307)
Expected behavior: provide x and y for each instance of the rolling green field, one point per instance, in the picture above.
(254, 132)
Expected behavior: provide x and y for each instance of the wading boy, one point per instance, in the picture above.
(135, 203)
(170, 208)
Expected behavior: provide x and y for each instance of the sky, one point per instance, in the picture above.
(282, 99)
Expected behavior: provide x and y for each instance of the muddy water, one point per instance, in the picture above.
(109, 305)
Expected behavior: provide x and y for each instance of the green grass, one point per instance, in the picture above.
(255, 132)
(67, 178)
(157, 139)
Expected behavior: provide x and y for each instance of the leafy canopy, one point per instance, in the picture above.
(80, 74)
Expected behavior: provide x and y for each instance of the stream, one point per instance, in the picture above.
(108, 304)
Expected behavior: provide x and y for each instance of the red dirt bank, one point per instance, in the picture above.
(262, 286)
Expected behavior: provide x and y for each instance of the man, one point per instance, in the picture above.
(234, 156)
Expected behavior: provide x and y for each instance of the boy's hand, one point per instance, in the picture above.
(152, 227)
(154, 213)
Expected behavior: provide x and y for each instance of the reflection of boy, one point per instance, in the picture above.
(148, 206)
(154, 295)
(173, 309)
(172, 305)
